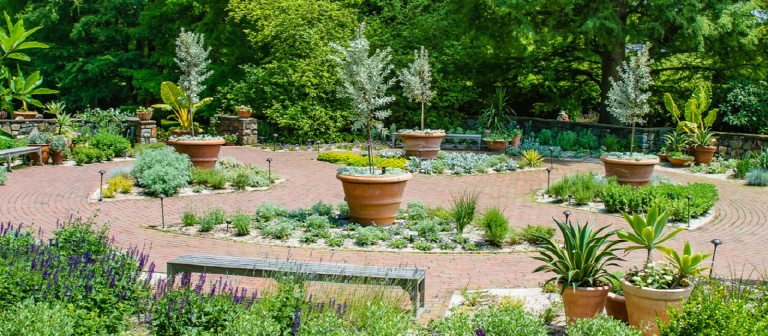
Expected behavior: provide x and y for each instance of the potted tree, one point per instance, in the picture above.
(580, 267)
(184, 101)
(416, 79)
(696, 121)
(495, 119)
(58, 146)
(651, 289)
(373, 195)
(628, 102)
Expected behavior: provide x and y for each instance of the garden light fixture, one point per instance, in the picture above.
(162, 210)
(549, 172)
(716, 243)
(269, 169)
(567, 214)
(101, 185)
(229, 222)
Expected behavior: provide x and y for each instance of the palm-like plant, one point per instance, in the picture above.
(498, 115)
(696, 118)
(687, 264)
(584, 258)
(676, 141)
(176, 100)
(24, 88)
(647, 233)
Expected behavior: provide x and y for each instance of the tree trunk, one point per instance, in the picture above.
(611, 57)
(422, 116)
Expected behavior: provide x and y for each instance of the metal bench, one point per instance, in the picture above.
(11, 152)
(474, 137)
(412, 280)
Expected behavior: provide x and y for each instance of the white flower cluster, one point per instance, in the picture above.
(628, 97)
(192, 58)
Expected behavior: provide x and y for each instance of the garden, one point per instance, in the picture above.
(482, 158)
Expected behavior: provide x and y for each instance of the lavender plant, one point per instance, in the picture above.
(628, 97)
(417, 80)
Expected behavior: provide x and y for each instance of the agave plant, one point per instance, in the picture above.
(646, 232)
(687, 264)
(584, 259)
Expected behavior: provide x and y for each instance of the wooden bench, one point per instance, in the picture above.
(474, 137)
(412, 280)
(11, 152)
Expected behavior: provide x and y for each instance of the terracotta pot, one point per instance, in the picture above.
(616, 307)
(180, 132)
(662, 157)
(25, 115)
(244, 114)
(422, 145)
(57, 158)
(585, 302)
(203, 153)
(144, 116)
(678, 162)
(632, 172)
(496, 145)
(644, 305)
(373, 200)
(704, 154)
(46, 150)
(515, 142)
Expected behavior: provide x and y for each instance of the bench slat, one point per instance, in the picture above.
(19, 150)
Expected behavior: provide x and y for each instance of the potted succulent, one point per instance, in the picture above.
(580, 267)
(679, 159)
(42, 140)
(675, 142)
(628, 102)
(184, 101)
(417, 79)
(230, 139)
(650, 290)
(495, 119)
(696, 121)
(243, 111)
(59, 145)
(144, 113)
(373, 195)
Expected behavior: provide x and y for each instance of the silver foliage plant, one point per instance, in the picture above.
(628, 97)
(364, 81)
(192, 59)
(417, 80)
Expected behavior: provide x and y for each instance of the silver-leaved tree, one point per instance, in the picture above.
(192, 59)
(629, 95)
(365, 81)
(417, 80)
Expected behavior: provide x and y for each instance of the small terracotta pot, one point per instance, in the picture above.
(25, 115)
(662, 157)
(422, 145)
(203, 153)
(704, 154)
(632, 172)
(496, 145)
(515, 142)
(584, 302)
(644, 305)
(57, 158)
(373, 200)
(244, 114)
(144, 116)
(616, 307)
(43, 159)
(678, 162)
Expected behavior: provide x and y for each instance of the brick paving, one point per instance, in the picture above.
(42, 195)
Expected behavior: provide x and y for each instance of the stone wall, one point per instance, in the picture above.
(246, 129)
(648, 137)
(22, 127)
(736, 144)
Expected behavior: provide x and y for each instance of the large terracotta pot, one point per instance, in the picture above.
(678, 162)
(43, 159)
(422, 145)
(203, 153)
(704, 154)
(616, 307)
(244, 114)
(585, 302)
(144, 116)
(515, 142)
(373, 200)
(57, 158)
(496, 145)
(632, 172)
(25, 115)
(644, 305)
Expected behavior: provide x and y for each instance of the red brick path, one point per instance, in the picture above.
(41, 195)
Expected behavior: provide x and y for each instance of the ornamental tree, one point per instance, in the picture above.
(417, 80)
(192, 59)
(364, 81)
(628, 96)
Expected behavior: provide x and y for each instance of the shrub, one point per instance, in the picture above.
(343, 210)
(322, 209)
(120, 184)
(357, 160)
(242, 224)
(138, 149)
(317, 223)
(398, 243)
(280, 229)
(568, 141)
(670, 197)
(742, 167)
(503, 320)
(423, 245)
(757, 177)
(189, 218)
(162, 171)
(601, 325)
(84, 155)
(417, 210)
(267, 212)
(495, 225)
(241, 180)
(611, 143)
(583, 187)
(39, 318)
(545, 137)
(367, 236)
(209, 177)
(428, 229)
(535, 234)
(587, 140)
(531, 158)
(3, 175)
(107, 142)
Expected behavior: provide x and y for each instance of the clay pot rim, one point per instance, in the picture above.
(374, 179)
(705, 148)
(210, 142)
(649, 162)
(654, 293)
(421, 135)
(595, 289)
(616, 297)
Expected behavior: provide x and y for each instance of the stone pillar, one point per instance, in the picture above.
(143, 132)
(246, 128)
